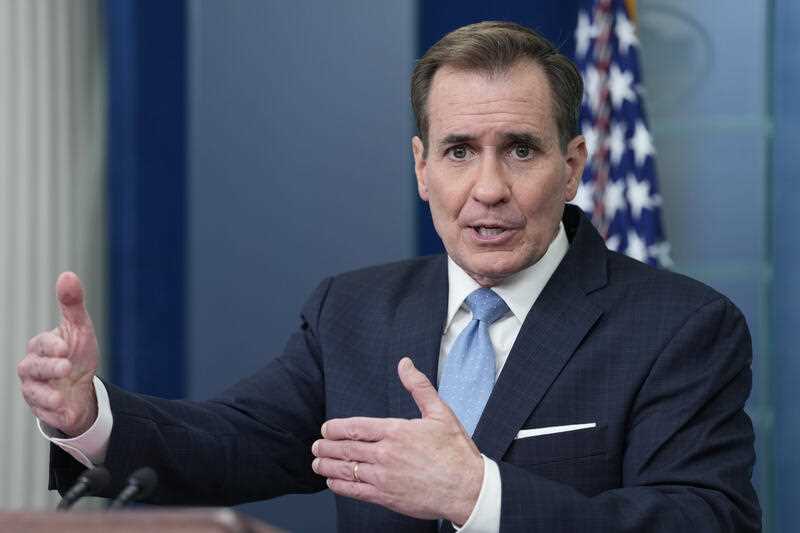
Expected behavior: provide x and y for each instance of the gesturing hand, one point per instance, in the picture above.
(57, 372)
(426, 468)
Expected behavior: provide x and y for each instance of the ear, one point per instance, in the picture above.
(420, 167)
(575, 159)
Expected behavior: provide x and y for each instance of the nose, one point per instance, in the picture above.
(491, 185)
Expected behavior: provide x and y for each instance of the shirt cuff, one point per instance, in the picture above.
(90, 447)
(485, 516)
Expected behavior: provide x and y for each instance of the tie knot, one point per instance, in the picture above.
(486, 305)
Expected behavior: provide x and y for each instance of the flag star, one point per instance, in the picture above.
(584, 33)
(661, 251)
(638, 196)
(584, 198)
(614, 198)
(590, 134)
(591, 86)
(616, 142)
(612, 243)
(642, 143)
(620, 86)
(637, 248)
(626, 33)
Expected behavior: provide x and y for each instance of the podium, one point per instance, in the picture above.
(175, 520)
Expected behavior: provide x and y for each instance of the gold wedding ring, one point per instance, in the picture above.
(355, 473)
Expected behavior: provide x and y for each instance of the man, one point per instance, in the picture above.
(577, 389)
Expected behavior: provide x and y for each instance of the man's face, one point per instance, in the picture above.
(494, 175)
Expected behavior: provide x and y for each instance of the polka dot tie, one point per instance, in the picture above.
(468, 374)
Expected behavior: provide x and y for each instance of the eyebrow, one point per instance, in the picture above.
(511, 137)
(525, 138)
(456, 138)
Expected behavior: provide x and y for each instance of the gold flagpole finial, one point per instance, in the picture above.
(630, 5)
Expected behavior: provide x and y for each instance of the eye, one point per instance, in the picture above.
(522, 152)
(459, 153)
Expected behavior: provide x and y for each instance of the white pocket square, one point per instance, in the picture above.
(536, 432)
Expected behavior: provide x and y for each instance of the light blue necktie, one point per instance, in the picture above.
(468, 374)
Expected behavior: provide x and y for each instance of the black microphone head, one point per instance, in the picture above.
(91, 481)
(97, 479)
(146, 479)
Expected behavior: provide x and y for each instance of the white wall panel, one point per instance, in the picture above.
(52, 198)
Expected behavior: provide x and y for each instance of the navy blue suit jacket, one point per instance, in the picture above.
(660, 362)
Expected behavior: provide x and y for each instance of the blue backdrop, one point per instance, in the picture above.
(785, 201)
(147, 194)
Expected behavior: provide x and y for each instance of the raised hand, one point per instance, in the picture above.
(425, 468)
(57, 372)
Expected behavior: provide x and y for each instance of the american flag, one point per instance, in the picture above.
(619, 189)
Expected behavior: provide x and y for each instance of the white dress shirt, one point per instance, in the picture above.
(519, 291)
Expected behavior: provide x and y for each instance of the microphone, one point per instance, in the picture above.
(139, 486)
(91, 481)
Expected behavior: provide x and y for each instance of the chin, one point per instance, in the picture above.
(494, 272)
(496, 269)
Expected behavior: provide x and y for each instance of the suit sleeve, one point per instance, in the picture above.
(251, 443)
(688, 457)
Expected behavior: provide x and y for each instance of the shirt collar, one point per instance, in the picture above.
(519, 290)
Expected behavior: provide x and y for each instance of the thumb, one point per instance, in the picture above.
(419, 386)
(70, 298)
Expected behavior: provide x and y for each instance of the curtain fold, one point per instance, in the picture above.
(52, 202)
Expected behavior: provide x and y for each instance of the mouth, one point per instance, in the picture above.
(490, 233)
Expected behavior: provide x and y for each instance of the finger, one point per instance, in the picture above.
(357, 428)
(334, 468)
(42, 396)
(42, 368)
(48, 344)
(359, 491)
(347, 450)
(347, 471)
(422, 390)
(70, 298)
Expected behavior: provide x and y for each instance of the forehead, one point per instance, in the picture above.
(475, 102)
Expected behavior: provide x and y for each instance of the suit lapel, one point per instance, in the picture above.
(417, 332)
(553, 329)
